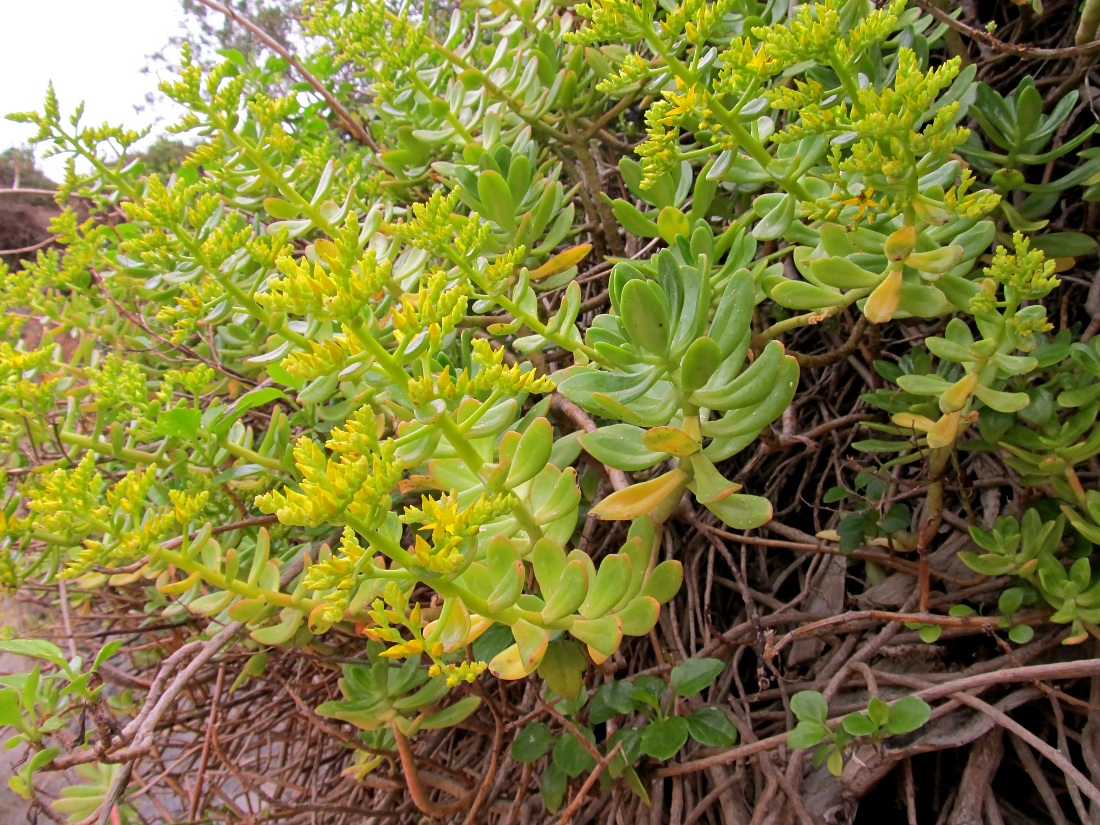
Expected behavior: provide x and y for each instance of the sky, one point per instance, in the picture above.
(92, 50)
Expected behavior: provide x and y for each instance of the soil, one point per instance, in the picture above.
(23, 224)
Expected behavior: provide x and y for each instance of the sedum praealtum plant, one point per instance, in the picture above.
(348, 382)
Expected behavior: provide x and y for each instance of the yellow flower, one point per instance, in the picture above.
(404, 650)
(862, 201)
(681, 104)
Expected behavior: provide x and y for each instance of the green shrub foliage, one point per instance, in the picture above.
(324, 377)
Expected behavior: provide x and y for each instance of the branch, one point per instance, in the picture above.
(583, 420)
(979, 681)
(27, 249)
(140, 323)
(50, 192)
(350, 123)
(1055, 756)
(924, 618)
(1024, 52)
(417, 791)
(837, 355)
(139, 733)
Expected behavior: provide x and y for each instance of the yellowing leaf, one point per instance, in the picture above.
(562, 261)
(945, 431)
(901, 243)
(671, 222)
(883, 302)
(670, 440)
(657, 497)
(509, 664)
(911, 421)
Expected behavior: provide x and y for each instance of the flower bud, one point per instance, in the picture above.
(1008, 179)
(901, 243)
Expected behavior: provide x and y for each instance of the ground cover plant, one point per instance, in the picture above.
(517, 412)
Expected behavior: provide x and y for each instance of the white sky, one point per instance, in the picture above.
(93, 50)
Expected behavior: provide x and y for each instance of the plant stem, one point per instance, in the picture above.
(352, 125)
(808, 318)
(107, 449)
(247, 454)
(1090, 22)
(745, 139)
(241, 588)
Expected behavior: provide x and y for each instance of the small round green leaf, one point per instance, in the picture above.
(859, 724)
(532, 742)
(907, 714)
(1021, 634)
(663, 739)
(572, 757)
(930, 633)
(693, 675)
(806, 735)
(552, 787)
(711, 727)
(809, 705)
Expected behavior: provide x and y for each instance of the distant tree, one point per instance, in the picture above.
(164, 156)
(19, 170)
(24, 218)
(210, 32)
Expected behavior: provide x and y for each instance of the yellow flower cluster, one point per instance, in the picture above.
(500, 268)
(14, 363)
(620, 21)
(434, 310)
(493, 376)
(271, 112)
(511, 380)
(451, 526)
(323, 358)
(19, 292)
(1027, 271)
(338, 573)
(661, 151)
(128, 493)
(65, 501)
(309, 288)
(391, 609)
(118, 384)
(430, 226)
(194, 380)
(966, 204)
(359, 434)
(10, 578)
(633, 69)
(697, 19)
(455, 674)
(356, 486)
(192, 305)
(136, 525)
